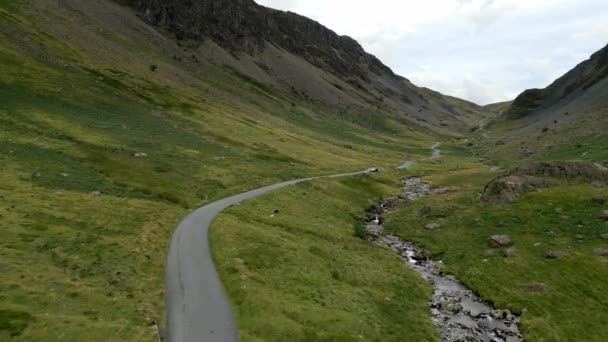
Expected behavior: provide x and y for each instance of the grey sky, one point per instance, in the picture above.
(481, 50)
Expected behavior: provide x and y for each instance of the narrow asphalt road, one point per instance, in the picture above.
(198, 309)
(436, 154)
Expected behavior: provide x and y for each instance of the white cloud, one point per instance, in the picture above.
(482, 50)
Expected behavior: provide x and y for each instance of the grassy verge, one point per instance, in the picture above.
(302, 275)
(77, 266)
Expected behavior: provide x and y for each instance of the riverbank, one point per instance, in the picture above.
(459, 314)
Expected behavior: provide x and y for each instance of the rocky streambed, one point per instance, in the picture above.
(457, 311)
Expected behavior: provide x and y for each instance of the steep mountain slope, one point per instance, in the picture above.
(298, 55)
(566, 120)
(582, 88)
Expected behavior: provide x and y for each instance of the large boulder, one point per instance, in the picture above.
(507, 189)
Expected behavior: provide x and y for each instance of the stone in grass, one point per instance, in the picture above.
(600, 251)
(604, 236)
(424, 211)
(500, 241)
(96, 193)
(536, 287)
(488, 253)
(432, 226)
(604, 215)
(599, 200)
(554, 254)
(509, 253)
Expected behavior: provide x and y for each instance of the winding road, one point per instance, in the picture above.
(198, 309)
(436, 154)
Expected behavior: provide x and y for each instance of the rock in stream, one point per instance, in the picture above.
(459, 314)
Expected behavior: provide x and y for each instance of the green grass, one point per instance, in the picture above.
(561, 218)
(593, 149)
(73, 261)
(12, 323)
(573, 136)
(302, 275)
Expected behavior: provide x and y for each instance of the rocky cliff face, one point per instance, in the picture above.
(243, 25)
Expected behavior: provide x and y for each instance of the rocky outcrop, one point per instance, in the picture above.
(533, 176)
(567, 170)
(527, 102)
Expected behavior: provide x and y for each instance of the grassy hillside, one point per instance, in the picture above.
(566, 120)
(499, 107)
(109, 133)
(580, 137)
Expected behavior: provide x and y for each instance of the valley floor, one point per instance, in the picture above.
(302, 275)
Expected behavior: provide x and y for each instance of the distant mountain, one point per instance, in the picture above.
(499, 107)
(298, 55)
(581, 89)
(566, 120)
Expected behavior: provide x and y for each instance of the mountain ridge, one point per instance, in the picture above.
(270, 46)
(243, 25)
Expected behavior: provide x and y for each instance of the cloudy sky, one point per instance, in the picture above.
(481, 50)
